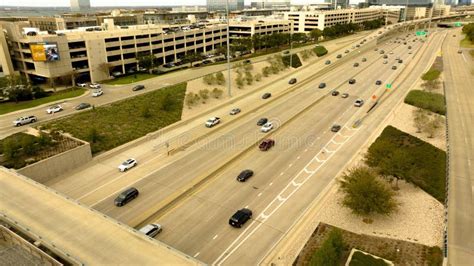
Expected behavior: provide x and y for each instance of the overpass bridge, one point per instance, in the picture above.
(76, 233)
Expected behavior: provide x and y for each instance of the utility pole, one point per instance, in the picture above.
(291, 46)
(229, 80)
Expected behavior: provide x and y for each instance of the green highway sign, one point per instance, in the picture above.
(457, 24)
(389, 85)
(421, 33)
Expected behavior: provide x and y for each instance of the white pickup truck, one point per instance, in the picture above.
(20, 121)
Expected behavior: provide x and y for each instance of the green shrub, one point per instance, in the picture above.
(364, 194)
(330, 251)
(295, 61)
(432, 74)
(433, 102)
(320, 50)
(398, 154)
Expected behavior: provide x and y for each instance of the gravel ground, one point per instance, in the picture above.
(420, 217)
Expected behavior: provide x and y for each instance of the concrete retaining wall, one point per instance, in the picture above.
(57, 165)
(15, 240)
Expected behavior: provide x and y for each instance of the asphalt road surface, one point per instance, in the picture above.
(307, 156)
(459, 82)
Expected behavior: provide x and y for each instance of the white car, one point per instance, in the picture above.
(151, 230)
(95, 86)
(54, 109)
(267, 127)
(358, 103)
(82, 85)
(129, 163)
(97, 92)
(213, 121)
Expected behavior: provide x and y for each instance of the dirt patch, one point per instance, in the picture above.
(398, 251)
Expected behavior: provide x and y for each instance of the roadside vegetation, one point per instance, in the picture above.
(330, 251)
(361, 259)
(109, 126)
(130, 79)
(330, 245)
(19, 94)
(468, 41)
(320, 50)
(397, 155)
(431, 101)
(295, 61)
(365, 194)
(20, 149)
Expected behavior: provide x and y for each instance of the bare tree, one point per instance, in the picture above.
(420, 119)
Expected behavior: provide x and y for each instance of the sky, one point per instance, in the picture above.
(65, 3)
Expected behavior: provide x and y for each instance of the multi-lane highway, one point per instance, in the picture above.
(287, 178)
(118, 92)
(460, 116)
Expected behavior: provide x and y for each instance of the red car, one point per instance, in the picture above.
(266, 144)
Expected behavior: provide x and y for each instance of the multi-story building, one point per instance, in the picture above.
(270, 4)
(421, 3)
(220, 5)
(260, 27)
(80, 5)
(94, 53)
(174, 17)
(62, 23)
(305, 21)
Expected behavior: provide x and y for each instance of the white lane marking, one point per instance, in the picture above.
(246, 206)
(290, 165)
(197, 254)
(328, 151)
(214, 237)
(465, 140)
(259, 194)
(270, 184)
(464, 57)
(306, 150)
(281, 173)
(308, 172)
(338, 143)
(297, 158)
(243, 237)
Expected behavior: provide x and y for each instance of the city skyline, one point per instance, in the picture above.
(102, 3)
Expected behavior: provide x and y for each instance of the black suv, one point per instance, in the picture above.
(240, 217)
(126, 196)
(292, 81)
(262, 121)
(339, 56)
(244, 175)
(322, 85)
(334, 93)
(352, 81)
(138, 87)
(378, 82)
(266, 95)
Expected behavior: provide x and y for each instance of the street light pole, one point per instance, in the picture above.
(229, 80)
(291, 47)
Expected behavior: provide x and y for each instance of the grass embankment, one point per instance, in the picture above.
(466, 43)
(295, 60)
(130, 79)
(433, 102)
(432, 74)
(109, 126)
(330, 245)
(320, 50)
(9, 107)
(404, 156)
(361, 259)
